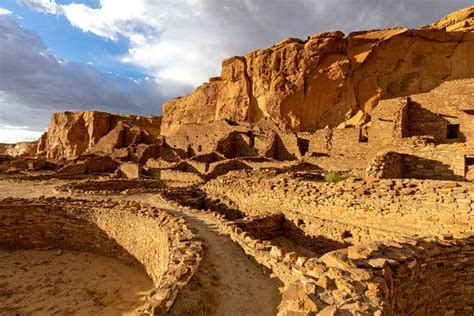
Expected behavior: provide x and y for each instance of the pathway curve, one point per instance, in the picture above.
(241, 286)
(244, 288)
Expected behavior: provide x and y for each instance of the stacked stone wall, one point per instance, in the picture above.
(113, 186)
(136, 234)
(402, 276)
(365, 210)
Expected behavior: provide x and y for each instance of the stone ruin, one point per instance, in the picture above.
(343, 174)
(141, 236)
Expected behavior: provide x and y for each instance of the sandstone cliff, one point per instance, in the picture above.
(462, 20)
(327, 79)
(22, 149)
(71, 134)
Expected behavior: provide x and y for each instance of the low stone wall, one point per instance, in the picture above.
(135, 234)
(397, 277)
(395, 165)
(386, 166)
(181, 176)
(354, 210)
(114, 186)
(420, 276)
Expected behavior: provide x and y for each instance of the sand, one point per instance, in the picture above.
(34, 282)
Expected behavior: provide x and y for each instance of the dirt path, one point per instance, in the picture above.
(243, 287)
(26, 189)
(227, 279)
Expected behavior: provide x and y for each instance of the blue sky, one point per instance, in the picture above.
(71, 43)
(130, 56)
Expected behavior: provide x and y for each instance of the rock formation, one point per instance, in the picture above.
(236, 140)
(71, 134)
(19, 149)
(326, 79)
(461, 20)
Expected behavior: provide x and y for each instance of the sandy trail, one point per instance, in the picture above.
(27, 190)
(244, 288)
(34, 282)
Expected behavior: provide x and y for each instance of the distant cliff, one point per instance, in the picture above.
(71, 134)
(327, 79)
(22, 149)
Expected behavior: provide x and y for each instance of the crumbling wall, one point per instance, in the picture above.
(387, 166)
(400, 276)
(442, 162)
(419, 276)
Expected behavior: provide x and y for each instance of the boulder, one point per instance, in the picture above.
(100, 165)
(131, 170)
(89, 165)
(144, 152)
(73, 169)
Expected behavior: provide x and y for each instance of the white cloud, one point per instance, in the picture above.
(178, 43)
(34, 84)
(184, 41)
(45, 6)
(4, 11)
(14, 134)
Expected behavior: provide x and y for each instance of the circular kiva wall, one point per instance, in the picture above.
(137, 235)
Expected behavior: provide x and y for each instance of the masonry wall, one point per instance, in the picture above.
(416, 126)
(451, 103)
(367, 210)
(129, 231)
(440, 283)
(399, 276)
(45, 226)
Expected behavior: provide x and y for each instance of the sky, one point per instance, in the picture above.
(130, 56)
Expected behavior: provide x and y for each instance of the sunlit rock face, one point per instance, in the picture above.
(329, 78)
(71, 134)
(19, 149)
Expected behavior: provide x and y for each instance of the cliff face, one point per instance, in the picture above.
(462, 20)
(328, 78)
(71, 134)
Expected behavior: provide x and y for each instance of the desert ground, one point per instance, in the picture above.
(331, 175)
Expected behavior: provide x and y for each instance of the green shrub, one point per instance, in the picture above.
(334, 176)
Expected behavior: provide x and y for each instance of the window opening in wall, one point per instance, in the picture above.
(303, 145)
(363, 137)
(199, 148)
(346, 234)
(251, 139)
(453, 131)
(300, 222)
(469, 168)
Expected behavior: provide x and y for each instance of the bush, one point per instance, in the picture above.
(334, 176)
